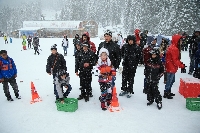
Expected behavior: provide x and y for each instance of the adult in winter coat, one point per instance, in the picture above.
(113, 49)
(153, 71)
(119, 40)
(83, 68)
(163, 49)
(192, 50)
(146, 55)
(130, 55)
(143, 41)
(36, 44)
(8, 74)
(197, 61)
(185, 41)
(75, 40)
(172, 64)
(55, 62)
(65, 44)
(137, 36)
(29, 40)
(86, 38)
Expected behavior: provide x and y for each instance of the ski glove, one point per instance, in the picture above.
(183, 70)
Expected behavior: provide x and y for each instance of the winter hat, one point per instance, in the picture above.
(130, 37)
(108, 32)
(103, 50)
(54, 47)
(85, 44)
(155, 50)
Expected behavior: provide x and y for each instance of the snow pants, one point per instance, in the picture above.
(153, 92)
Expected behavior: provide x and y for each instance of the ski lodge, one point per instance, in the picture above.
(57, 29)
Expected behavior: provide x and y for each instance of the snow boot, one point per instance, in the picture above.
(17, 96)
(103, 106)
(80, 97)
(86, 98)
(171, 94)
(122, 93)
(149, 103)
(10, 98)
(129, 95)
(90, 92)
(159, 105)
(167, 95)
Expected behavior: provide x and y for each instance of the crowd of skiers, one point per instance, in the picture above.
(158, 61)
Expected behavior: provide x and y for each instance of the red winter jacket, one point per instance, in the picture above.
(137, 36)
(172, 56)
(92, 45)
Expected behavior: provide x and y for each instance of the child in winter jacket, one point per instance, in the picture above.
(62, 80)
(8, 74)
(5, 39)
(153, 71)
(24, 44)
(105, 77)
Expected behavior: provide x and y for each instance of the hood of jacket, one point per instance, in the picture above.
(175, 39)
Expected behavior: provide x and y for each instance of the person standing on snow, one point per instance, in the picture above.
(75, 40)
(119, 40)
(55, 62)
(65, 44)
(153, 71)
(85, 61)
(5, 39)
(86, 38)
(192, 50)
(29, 39)
(8, 74)
(130, 55)
(146, 55)
(143, 42)
(172, 64)
(105, 77)
(114, 52)
(36, 44)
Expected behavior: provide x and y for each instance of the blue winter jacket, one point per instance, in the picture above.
(7, 68)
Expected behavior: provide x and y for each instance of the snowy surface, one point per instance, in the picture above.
(20, 116)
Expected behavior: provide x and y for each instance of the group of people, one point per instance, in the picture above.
(158, 61)
(31, 42)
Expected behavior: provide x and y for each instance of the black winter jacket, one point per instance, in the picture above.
(57, 62)
(130, 55)
(154, 70)
(114, 52)
(85, 57)
(193, 45)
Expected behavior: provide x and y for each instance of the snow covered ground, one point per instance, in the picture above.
(135, 116)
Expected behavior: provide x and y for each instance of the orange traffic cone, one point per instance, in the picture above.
(35, 96)
(114, 102)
